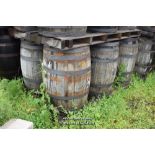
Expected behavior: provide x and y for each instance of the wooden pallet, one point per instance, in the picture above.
(31, 36)
(74, 40)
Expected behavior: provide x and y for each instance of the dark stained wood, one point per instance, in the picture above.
(9, 57)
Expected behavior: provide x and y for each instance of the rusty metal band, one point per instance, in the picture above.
(67, 73)
(128, 56)
(9, 55)
(69, 97)
(101, 85)
(29, 59)
(38, 81)
(67, 58)
(97, 60)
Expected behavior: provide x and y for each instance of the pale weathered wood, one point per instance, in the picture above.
(74, 40)
(144, 57)
(104, 67)
(31, 36)
(127, 57)
(31, 59)
(67, 85)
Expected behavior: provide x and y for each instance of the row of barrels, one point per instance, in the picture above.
(71, 75)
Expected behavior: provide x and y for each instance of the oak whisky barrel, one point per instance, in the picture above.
(66, 74)
(104, 58)
(127, 58)
(31, 56)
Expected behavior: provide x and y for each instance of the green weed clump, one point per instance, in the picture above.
(133, 107)
(16, 102)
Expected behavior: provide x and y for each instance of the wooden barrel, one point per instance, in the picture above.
(25, 28)
(107, 29)
(63, 28)
(144, 57)
(143, 62)
(67, 76)
(9, 57)
(31, 56)
(127, 58)
(104, 58)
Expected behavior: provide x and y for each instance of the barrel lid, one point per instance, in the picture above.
(74, 50)
(108, 44)
(129, 41)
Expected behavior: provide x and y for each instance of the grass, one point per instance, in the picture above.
(133, 107)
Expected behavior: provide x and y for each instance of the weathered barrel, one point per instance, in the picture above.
(63, 28)
(127, 58)
(31, 56)
(9, 57)
(144, 57)
(107, 29)
(25, 28)
(67, 76)
(104, 59)
(126, 27)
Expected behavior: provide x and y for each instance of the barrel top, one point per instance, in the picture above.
(74, 50)
(129, 41)
(109, 44)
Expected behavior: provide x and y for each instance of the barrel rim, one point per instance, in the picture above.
(73, 50)
(108, 44)
(128, 40)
